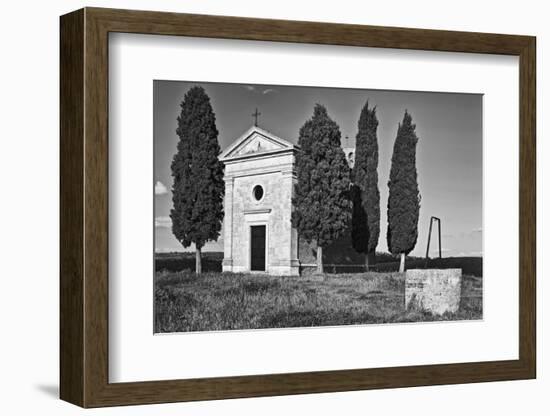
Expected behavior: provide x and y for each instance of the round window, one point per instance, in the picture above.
(258, 192)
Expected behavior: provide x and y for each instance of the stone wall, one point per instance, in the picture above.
(434, 290)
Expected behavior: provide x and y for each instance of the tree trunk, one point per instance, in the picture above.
(367, 255)
(198, 261)
(402, 263)
(320, 260)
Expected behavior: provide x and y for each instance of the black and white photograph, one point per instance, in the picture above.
(279, 206)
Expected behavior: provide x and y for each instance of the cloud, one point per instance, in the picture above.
(254, 89)
(160, 188)
(163, 222)
(470, 254)
(164, 250)
(443, 250)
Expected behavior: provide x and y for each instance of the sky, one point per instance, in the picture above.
(449, 149)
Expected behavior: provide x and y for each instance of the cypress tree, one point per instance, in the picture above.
(322, 208)
(366, 195)
(404, 196)
(198, 186)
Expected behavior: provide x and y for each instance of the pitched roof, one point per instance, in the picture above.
(256, 141)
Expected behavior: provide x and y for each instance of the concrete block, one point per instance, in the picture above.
(434, 290)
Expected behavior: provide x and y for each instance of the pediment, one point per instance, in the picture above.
(255, 141)
(257, 144)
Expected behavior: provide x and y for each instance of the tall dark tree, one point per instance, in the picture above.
(404, 197)
(198, 188)
(322, 207)
(366, 195)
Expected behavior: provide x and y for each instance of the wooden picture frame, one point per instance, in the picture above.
(84, 207)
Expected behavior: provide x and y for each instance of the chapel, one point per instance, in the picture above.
(259, 179)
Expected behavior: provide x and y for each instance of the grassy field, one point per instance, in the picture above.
(221, 301)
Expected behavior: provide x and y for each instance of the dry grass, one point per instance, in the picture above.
(220, 301)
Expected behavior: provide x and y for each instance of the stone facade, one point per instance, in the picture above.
(434, 290)
(259, 181)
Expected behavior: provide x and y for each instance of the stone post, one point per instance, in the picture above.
(227, 265)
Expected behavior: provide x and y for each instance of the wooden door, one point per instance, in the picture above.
(257, 248)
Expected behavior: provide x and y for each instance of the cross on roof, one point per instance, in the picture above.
(255, 114)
